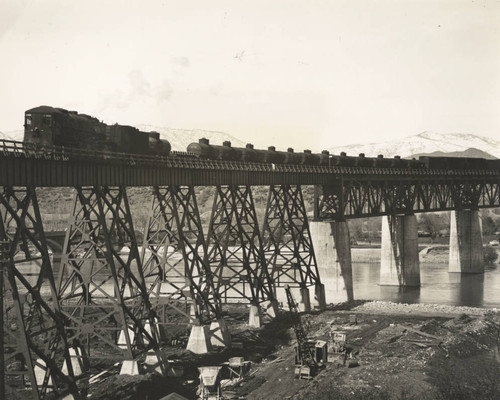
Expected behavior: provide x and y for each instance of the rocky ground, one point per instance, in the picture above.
(399, 351)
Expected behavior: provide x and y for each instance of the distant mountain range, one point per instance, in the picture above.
(427, 143)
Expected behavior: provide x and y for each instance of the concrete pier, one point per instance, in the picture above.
(255, 316)
(466, 242)
(130, 367)
(304, 300)
(332, 247)
(199, 340)
(399, 264)
(79, 361)
(219, 334)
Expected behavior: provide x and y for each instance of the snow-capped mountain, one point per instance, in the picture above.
(181, 138)
(423, 143)
(12, 135)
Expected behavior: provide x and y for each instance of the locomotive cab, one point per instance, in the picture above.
(40, 128)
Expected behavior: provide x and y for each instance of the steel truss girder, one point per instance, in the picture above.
(287, 239)
(349, 198)
(174, 259)
(34, 343)
(101, 290)
(235, 251)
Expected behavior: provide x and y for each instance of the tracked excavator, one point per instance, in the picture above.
(306, 366)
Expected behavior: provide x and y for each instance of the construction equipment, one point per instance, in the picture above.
(210, 388)
(305, 363)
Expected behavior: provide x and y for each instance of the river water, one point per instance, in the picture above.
(438, 286)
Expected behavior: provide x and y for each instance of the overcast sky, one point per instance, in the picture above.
(310, 74)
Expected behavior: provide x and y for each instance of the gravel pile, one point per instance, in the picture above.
(400, 308)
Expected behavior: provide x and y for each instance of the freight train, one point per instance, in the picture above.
(48, 126)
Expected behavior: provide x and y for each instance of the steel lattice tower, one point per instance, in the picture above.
(34, 344)
(101, 288)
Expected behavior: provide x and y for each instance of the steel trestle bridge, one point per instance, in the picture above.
(102, 302)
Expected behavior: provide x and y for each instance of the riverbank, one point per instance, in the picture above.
(400, 351)
(394, 351)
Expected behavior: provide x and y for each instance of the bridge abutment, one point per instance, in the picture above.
(466, 242)
(399, 263)
(333, 254)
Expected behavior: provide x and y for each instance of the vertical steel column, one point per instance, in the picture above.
(287, 239)
(174, 261)
(101, 286)
(235, 248)
(33, 337)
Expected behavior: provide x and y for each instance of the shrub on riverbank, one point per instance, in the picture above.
(490, 255)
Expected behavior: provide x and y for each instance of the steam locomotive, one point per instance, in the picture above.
(49, 126)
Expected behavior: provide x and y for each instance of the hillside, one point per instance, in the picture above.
(424, 143)
(471, 153)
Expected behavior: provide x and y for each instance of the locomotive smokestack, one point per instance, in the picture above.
(227, 143)
(380, 156)
(307, 151)
(249, 146)
(343, 154)
(362, 155)
(204, 141)
(271, 148)
(325, 152)
(290, 150)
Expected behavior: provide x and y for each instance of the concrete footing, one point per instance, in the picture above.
(129, 367)
(122, 339)
(199, 342)
(152, 362)
(79, 362)
(40, 372)
(255, 317)
(304, 300)
(272, 308)
(320, 295)
(399, 259)
(219, 334)
(466, 242)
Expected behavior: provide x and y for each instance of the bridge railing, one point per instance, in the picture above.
(11, 148)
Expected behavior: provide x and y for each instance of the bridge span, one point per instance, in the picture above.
(113, 297)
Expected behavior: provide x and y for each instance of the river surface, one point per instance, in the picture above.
(438, 286)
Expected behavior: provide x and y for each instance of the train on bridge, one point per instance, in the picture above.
(46, 126)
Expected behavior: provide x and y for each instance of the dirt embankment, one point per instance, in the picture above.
(401, 352)
(398, 351)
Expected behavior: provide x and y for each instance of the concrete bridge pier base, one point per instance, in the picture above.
(332, 247)
(320, 295)
(79, 361)
(219, 334)
(466, 242)
(199, 342)
(130, 367)
(272, 308)
(305, 300)
(399, 259)
(255, 317)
